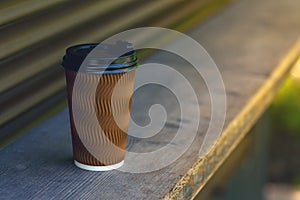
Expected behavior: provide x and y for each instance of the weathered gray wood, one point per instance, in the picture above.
(53, 25)
(246, 40)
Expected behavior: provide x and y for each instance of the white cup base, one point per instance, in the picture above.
(98, 168)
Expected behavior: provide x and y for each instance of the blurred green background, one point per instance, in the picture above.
(285, 132)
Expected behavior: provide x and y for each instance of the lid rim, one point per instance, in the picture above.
(73, 60)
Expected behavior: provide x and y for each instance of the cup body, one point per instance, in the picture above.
(92, 149)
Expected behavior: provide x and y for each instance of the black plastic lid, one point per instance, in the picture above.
(104, 59)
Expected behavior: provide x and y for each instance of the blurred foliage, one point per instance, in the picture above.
(297, 179)
(285, 109)
(285, 122)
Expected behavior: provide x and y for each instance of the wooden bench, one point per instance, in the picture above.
(254, 43)
(35, 34)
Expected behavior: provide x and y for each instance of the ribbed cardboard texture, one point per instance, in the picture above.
(103, 106)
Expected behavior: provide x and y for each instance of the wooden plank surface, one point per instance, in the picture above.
(247, 41)
(18, 83)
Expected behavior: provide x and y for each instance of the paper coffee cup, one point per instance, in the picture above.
(91, 149)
